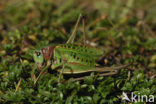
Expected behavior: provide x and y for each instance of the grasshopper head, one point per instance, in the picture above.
(41, 56)
(38, 58)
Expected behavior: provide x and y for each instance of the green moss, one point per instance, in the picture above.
(127, 34)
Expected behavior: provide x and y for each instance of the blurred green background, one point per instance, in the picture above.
(126, 29)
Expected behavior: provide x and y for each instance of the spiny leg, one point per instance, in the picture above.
(72, 37)
(108, 73)
(111, 70)
(100, 74)
(61, 73)
(105, 71)
(108, 69)
(43, 71)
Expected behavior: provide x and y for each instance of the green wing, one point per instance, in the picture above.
(84, 57)
(81, 49)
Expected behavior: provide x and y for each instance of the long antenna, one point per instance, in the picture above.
(84, 30)
(72, 37)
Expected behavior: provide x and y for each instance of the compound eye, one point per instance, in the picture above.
(38, 53)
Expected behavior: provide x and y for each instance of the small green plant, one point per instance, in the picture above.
(125, 30)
